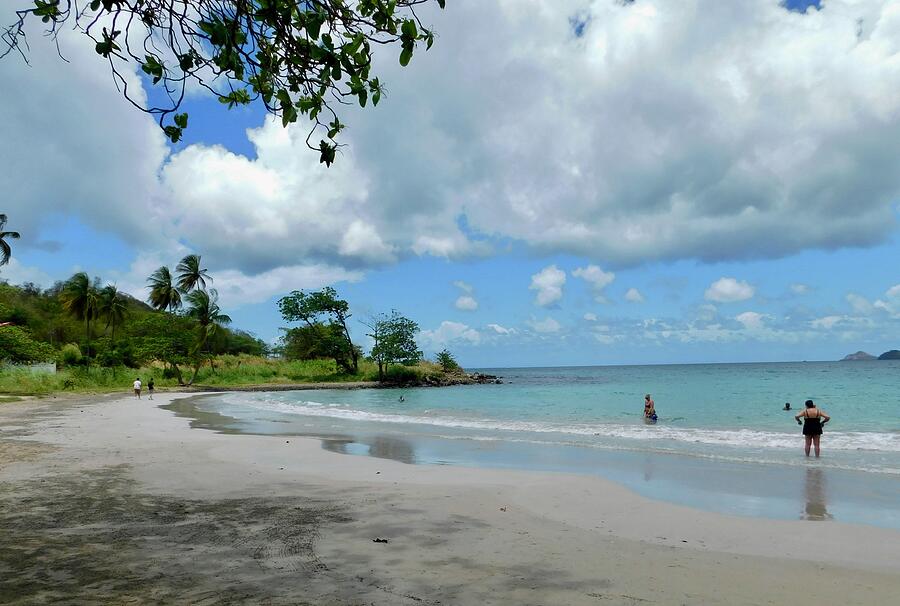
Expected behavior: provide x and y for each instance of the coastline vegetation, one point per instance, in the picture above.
(100, 339)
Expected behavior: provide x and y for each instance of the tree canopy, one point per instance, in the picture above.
(395, 341)
(311, 307)
(295, 57)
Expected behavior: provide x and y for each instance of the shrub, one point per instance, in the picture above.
(70, 355)
(447, 361)
(17, 345)
(400, 375)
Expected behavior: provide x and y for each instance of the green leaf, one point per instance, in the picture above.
(405, 56)
(95, 5)
(186, 62)
(327, 150)
(152, 67)
(181, 120)
(173, 133)
(235, 97)
(409, 29)
(46, 10)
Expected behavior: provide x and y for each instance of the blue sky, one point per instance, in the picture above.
(680, 190)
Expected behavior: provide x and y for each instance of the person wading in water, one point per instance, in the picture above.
(813, 421)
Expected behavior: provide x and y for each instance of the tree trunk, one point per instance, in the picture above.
(353, 355)
(380, 371)
(177, 373)
(196, 372)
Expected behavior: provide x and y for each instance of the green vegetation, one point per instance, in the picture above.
(447, 362)
(102, 339)
(313, 309)
(395, 343)
(308, 58)
(226, 371)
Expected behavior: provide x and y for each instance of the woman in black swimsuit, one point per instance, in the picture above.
(813, 421)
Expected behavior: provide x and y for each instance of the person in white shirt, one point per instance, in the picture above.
(137, 388)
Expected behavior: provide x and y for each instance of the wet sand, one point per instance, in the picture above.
(111, 500)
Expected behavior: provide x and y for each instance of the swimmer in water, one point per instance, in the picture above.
(649, 409)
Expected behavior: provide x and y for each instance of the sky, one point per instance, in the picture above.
(556, 182)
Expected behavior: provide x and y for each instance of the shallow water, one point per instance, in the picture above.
(722, 441)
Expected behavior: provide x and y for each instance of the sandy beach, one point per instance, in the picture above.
(112, 500)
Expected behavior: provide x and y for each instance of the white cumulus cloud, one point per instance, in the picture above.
(548, 282)
(466, 303)
(501, 330)
(729, 290)
(751, 320)
(597, 278)
(449, 333)
(547, 325)
(633, 295)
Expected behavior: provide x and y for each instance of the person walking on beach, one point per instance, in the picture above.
(813, 420)
(137, 388)
(649, 408)
(150, 388)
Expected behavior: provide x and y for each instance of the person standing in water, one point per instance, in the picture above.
(150, 387)
(137, 388)
(649, 408)
(813, 420)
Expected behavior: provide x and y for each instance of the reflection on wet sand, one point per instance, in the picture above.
(382, 447)
(202, 419)
(816, 501)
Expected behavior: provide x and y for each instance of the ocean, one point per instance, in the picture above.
(722, 443)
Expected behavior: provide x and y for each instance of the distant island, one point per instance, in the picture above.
(893, 354)
(860, 355)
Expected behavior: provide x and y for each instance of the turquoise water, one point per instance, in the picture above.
(722, 441)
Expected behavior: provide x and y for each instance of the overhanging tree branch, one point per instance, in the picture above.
(296, 57)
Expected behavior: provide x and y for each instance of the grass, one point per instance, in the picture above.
(7, 399)
(227, 371)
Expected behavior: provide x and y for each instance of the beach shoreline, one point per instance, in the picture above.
(287, 509)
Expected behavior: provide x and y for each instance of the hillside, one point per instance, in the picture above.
(37, 325)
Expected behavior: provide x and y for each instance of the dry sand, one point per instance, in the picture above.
(111, 500)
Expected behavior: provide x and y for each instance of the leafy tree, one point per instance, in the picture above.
(167, 338)
(242, 342)
(112, 306)
(80, 298)
(163, 292)
(5, 250)
(191, 275)
(310, 307)
(296, 57)
(447, 361)
(17, 345)
(395, 341)
(318, 341)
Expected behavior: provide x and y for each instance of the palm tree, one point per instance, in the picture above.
(190, 275)
(205, 309)
(113, 306)
(5, 250)
(80, 298)
(163, 293)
